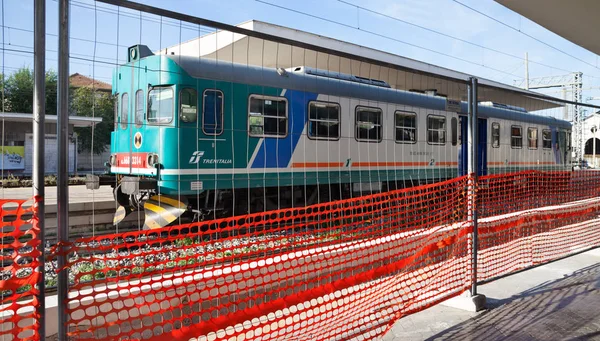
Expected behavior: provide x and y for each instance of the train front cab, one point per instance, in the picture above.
(145, 132)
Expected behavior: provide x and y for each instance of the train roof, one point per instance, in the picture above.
(341, 86)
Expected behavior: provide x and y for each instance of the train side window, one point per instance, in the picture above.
(323, 120)
(436, 129)
(116, 110)
(516, 137)
(267, 116)
(532, 138)
(547, 139)
(139, 108)
(160, 105)
(406, 127)
(454, 128)
(124, 110)
(368, 124)
(495, 135)
(188, 105)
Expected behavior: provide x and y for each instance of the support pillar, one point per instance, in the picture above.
(38, 171)
(63, 162)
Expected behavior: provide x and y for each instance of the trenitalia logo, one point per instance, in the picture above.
(196, 156)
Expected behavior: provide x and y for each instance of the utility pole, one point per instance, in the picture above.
(526, 71)
(572, 83)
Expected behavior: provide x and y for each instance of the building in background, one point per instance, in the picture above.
(17, 146)
(17, 142)
(77, 81)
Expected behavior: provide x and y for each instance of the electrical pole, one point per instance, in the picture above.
(526, 71)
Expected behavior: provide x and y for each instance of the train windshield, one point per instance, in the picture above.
(160, 105)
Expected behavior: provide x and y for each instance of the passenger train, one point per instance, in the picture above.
(200, 138)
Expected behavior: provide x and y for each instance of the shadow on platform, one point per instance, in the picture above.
(563, 309)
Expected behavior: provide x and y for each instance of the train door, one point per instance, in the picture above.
(462, 150)
(481, 148)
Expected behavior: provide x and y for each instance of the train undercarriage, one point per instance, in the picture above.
(162, 210)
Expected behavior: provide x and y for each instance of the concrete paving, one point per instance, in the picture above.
(557, 301)
(77, 194)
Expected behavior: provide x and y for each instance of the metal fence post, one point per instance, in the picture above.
(472, 169)
(63, 163)
(39, 120)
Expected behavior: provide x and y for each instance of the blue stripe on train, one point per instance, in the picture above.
(277, 153)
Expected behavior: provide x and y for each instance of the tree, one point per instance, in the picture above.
(18, 91)
(85, 102)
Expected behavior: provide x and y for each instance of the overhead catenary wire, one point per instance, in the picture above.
(525, 34)
(449, 36)
(385, 37)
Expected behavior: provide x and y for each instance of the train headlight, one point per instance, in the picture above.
(112, 160)
(152, 159)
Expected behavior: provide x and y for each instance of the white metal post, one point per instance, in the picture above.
(594, 129)
(63, 162)
(39, 120)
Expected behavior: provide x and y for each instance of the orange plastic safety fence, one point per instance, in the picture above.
(18, 284)
(341, 270)
(530, 218)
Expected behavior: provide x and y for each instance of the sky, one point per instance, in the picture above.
(99, 34)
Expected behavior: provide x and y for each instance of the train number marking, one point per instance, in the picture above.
(135, 160)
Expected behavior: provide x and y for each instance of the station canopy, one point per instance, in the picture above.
(576, 21)
(400, 73)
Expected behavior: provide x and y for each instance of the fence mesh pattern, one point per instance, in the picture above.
(532, 217)
(333, 271)
(20, 275)
(342, 270)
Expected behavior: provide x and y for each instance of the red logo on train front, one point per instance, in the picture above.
(136, 160)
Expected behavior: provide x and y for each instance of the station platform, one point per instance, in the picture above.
(557, 301)
(77, 194)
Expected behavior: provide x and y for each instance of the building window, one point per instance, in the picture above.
(532, 138)
(124, 110)
(139, 108)
(547, 139)
(267, 116)
(436, 129)
(368, 124)
(496, 135)
(323, 120)
(160, 105)
(406, 127)
(188, 105)
(516, 137)
(454, 128)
